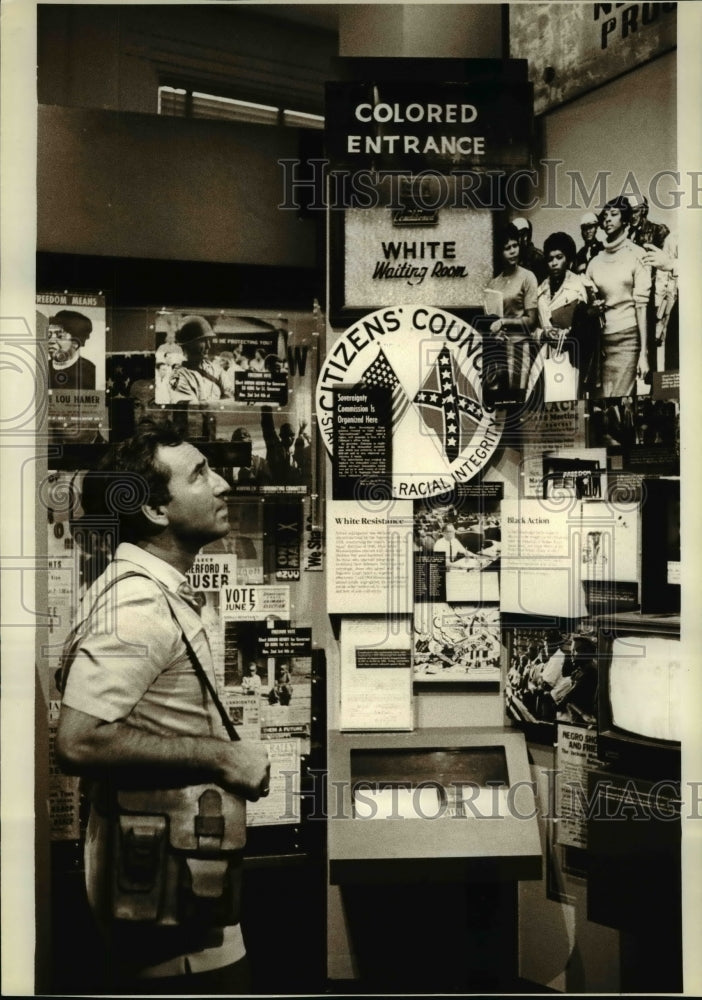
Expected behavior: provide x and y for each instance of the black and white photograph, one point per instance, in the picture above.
(577, 473)
(219, 356)
(641, 433)
(551, 677)
(348, 430)
(280, 681)
(73, 327)
(466, 535)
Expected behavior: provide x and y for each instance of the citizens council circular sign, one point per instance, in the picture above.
(428, 364)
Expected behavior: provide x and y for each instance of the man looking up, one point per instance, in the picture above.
(135, 709)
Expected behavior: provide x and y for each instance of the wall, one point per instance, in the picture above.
(642, 140)
(170, 188)
(111, 56)
(574, 47)
(559, 947)
(167, 188)
(582, 955)
(421, 30)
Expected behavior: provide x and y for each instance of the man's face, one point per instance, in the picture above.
(61, 346)
(197, 511)
(582, 650)
(589, 231)
(197, 350)
(637, 215)
(287, 435)
(450, 532)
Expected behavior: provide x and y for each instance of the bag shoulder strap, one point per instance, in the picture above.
(69, 655)
(204, 679)
(72, 641)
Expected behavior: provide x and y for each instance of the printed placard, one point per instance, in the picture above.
(72, 330)
(430, 361)
(576, 756)
(213, 573)
(256, 602)
(376, 676)
(449, 264)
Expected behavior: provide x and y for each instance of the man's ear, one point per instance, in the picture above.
(157, 515)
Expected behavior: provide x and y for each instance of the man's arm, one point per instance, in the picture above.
(462, 550)
(665, 259)
(268, 427)
(183, 388)
(90, 746)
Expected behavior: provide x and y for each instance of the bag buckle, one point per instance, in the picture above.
(209, 821)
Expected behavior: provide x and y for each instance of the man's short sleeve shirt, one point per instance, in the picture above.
(131, 662)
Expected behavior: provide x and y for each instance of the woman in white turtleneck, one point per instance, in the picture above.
(623, 283)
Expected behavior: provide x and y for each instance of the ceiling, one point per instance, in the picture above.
(324, 16)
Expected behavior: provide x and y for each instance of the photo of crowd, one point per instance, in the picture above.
(608, 308)
(579, 473)
(551, 677)
(631, 421)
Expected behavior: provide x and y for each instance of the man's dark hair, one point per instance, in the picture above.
(129, 476)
